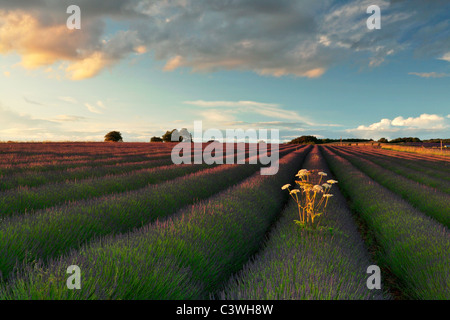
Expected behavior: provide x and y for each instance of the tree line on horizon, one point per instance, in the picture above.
(184, 135)
(315, 140)
(174, 136)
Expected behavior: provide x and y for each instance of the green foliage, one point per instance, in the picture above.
(414, 246)
(305, 140)
(314, 140)
(156, 139)
(167, 137)
(445, 141)
(113, 136)
(429, 200)
(188, 256)
(307, 227)
(408, 139)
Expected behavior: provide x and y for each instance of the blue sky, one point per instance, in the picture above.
(144, 67)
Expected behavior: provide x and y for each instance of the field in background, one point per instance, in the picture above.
(140, 227)
(431, 148)
(412, 147)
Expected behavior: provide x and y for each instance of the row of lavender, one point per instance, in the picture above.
(37, 178)
(21, 200)
(95, 182)
(402, 153)
(51, 163)
(430, 169)
(20, 151)
(189, 255)
(39, 153)
(413, 246)
(427, 199)
(431, 177)
(47, 233)
(327, 263)
(39, 156)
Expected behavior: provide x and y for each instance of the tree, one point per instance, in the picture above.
(405, 139)
(305, 140)
(156, 139)
(383, 140)
(184, 135)
(167, 137)
(113, 136)
(177, 136)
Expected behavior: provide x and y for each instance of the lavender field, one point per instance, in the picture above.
(140, 227)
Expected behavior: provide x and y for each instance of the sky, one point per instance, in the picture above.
(303, 67)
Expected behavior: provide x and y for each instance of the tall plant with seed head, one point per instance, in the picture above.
(311, 196)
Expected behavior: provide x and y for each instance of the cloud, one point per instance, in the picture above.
(269, 110)
(279, 72)
(429, 74)
(92, 108)
(18, 126)
(272, 38)
(423, 124)
(7, 74)
(300, 38)
(39, 44)
(217, 116)
(24, 127)
(67, 118)
(266, 124)
(100, 104)
(88, 67)
(215, 104)
(41, 38)
(14, 125)
(32, 101)
(446, 57)
(173, 63)
(68, 99)
(426, 121)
